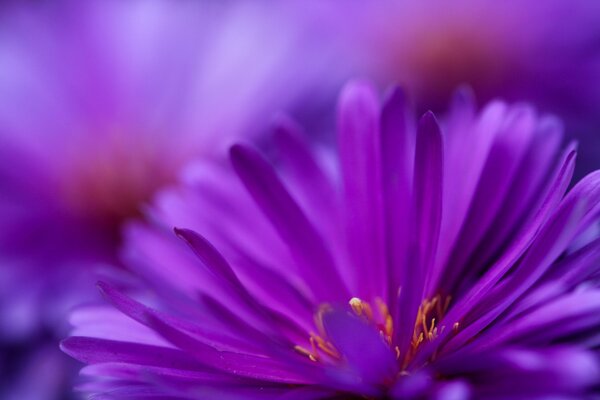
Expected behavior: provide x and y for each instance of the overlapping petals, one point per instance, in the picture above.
(425, 259)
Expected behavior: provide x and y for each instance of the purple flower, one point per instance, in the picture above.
(547, 53)
(425, 259)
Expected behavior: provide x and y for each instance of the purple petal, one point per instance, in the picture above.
(306, 179)
(426, 221)
(358, 144)
(397, 159)
(93, 350)
(522, 373)
(553, 239)
(245, 365)
(314, 261)
(566, 316)
(510, 256)
(459, 193)
(210, 257)
(510, 145)
(524, 193)
(361, 346)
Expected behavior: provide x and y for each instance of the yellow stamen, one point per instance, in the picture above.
(425, 329)
(357, 305)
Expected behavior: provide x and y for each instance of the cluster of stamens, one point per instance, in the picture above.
(319, 347)
(383, 322)
(429, 314)
(425, 329)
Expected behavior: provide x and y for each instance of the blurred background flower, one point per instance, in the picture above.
(101, 104)
(545, 52)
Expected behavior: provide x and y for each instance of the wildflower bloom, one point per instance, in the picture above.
(423, 260)
(499, 49)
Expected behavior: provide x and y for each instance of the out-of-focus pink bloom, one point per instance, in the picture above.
(545, 52)
(102, 102)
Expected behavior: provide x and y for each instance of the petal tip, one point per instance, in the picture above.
(358, 93)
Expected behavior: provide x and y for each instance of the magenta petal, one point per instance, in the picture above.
(523, 195)
(397, 159)
(551, 242)
(146, 315)
(314, 261)
(246, 365)
(209, 256)
(567, 315)
(359, 146)
(308, 183)
(92, 351)
(426, 222)
(514, 132)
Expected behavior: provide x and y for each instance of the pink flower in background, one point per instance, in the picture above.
(101, 104)
(544, 52)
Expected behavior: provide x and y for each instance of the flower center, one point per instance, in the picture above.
(426, 328)
(108, 177)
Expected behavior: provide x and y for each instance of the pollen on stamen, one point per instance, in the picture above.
(383, 321)
(426, 327)
(305, 352)
(356, 305)
(361, 308)
(426, 324)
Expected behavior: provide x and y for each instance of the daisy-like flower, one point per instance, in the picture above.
(424, 259)
(511, 50)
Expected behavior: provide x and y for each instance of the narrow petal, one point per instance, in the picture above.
(145, 315)
(210, 257)
(554, 238)
(511, 255)
(246, 365)
(425, 222)
(524, 193)
(397, 160)
(494, 184)
(566, 316)
(314, 261)
(92, 351)
(359, 152)
(459, 193)
(307, 180)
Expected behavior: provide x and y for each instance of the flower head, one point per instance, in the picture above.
(497, 48)
(424, 259)
(508, 50)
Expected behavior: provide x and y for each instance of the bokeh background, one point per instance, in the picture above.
(103, 103)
